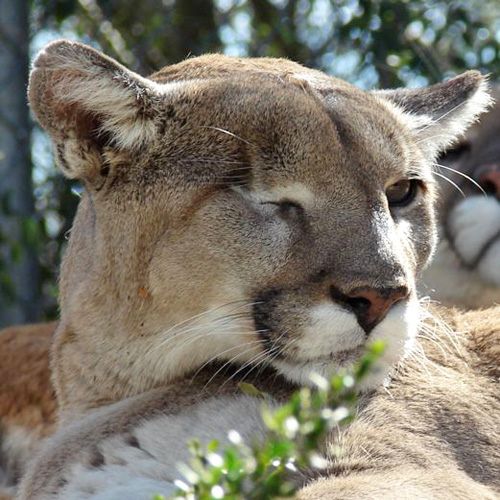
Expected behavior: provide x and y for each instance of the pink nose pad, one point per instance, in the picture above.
(490, 181)
(370, 305)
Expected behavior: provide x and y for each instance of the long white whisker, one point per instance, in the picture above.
(216, 322)
(463, 175)
(451, 182)
(242, 302)
(213, 330)
(213, 358)
(227, 363)
(224, 131)
(258, 357)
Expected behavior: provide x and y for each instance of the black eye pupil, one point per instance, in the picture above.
(401, 193)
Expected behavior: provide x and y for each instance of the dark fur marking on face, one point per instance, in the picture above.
(132, 440)
(242, 174)
(62, 482)
(105, 168)
(97, 459)
(319, 277)
(261, 312)
(170, 118)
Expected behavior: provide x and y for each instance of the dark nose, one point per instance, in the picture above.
(370, 305)
(490, 181)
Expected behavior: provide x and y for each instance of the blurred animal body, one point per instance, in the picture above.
(466, 268)
(27, 400)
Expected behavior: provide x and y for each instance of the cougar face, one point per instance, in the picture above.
(472, 219)
(250, 211)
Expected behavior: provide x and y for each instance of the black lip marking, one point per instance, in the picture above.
(262, 309)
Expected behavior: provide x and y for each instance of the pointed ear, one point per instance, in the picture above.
(86, 100)
(440, 113)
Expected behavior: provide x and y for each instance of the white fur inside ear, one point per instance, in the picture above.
(472, 224)
(116, 100)
(411, 120)
(75, 78)
(435, 133)
(456, 121)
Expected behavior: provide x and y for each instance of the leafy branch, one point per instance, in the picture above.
(297, 430)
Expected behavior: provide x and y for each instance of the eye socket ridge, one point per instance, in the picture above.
(403, 192)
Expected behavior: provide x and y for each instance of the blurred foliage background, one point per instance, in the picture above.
(379, 43)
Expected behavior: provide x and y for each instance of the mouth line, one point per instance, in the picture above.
(337, 357)
(472, 265)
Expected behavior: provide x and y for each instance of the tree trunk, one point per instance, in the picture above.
(19, 269)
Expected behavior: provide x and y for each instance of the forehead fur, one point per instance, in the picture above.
(282, 119)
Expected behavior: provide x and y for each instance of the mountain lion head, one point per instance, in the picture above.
(249, 211)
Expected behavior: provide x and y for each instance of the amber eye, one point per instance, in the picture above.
(402, 193)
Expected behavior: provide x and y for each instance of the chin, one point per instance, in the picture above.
(398, 332)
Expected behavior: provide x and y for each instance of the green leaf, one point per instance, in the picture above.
(251, 390)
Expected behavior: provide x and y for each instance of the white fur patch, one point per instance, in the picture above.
(115, 483)
(331, 328)
(109, 89)
(398, 331)
(473, 223)
(334, 340)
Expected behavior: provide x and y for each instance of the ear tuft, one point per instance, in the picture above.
(77, 93)
(440, 113)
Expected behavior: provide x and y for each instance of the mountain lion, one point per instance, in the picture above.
(242, 219)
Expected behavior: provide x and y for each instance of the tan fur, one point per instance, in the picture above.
(25, 390)
(234, 211)
(27, 400)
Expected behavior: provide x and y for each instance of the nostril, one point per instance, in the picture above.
(360, 305)
(370, 305)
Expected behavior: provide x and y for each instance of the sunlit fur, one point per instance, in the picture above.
(320, 356)
(225, 200)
